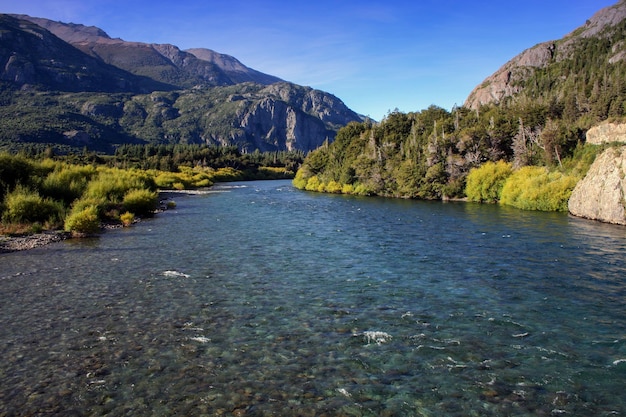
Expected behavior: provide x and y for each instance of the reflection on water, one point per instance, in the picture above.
(263, 300)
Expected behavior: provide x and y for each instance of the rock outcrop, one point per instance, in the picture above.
(601, 194)
(607, 133)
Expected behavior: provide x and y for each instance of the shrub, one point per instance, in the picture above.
(23, 205)
(140, 201)
(166, 180)
(68, 183)
(313, 184)
(193, 178)
(202, 183)
(83, 222)
(36, 227)
(127, 218)
(347, 189)
(362, 189)
(112, 184)
(536, 188)
(484, 184)
(14, 170)
(228, 174)
(333, 187)
(299, 180)
(85, 202)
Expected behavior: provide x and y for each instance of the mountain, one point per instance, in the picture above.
(235, 70)
(31, 57)
(162, 62)
(561, 69)
(73, 85)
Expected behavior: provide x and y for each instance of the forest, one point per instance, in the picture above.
(437, 154)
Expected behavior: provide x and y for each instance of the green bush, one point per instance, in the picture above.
(485, 183)
(14, 170)
(112, 184)
(67, 183)
(85, 202)
(23, 205)
(83, 221)
(140, 201)
(536, 188)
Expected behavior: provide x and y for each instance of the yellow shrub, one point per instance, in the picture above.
(140, 201)
(313, 183)
(484, 184)
(127, 218)
(347, 189)
(333, 187)
(536, 188)
(299, 180)
(85, 221)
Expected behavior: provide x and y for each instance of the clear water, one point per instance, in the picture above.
(262, 300)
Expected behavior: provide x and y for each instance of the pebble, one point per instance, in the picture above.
(19, 243)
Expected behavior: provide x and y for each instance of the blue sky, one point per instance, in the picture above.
(374, 55)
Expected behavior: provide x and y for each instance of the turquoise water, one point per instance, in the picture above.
(259, 300)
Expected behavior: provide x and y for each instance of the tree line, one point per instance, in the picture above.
(429, 154)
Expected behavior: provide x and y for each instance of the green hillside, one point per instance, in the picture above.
(429, 154)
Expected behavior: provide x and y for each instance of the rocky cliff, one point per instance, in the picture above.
(601, 195)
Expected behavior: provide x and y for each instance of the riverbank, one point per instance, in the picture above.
(18, 243)
(9, 243)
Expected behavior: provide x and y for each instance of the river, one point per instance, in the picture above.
(257, 299)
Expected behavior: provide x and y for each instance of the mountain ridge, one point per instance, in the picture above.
(238, 105)
(209, 67)
(508, 81)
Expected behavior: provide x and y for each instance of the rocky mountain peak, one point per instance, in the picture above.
(181, 69)
(607, 17)
(507, 81)
(232, 66)
(69, 32)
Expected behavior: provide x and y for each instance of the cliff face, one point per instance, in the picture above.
(601, 194)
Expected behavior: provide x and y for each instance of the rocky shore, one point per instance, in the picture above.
(17, 243)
